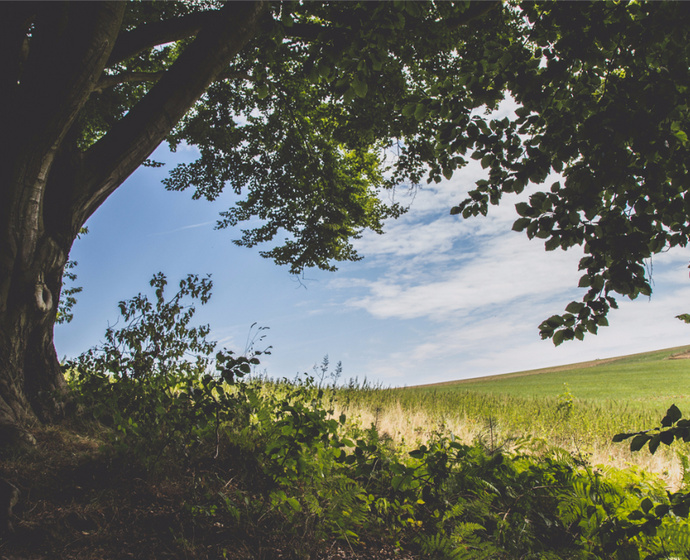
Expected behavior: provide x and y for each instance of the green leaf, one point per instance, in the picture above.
(349, 95)
(654, 443)
(673, 414)
(646, 505)
(521, 223)
(681, 136)
(262, 91)
(574, 307)
(294, 504)
(552, 244)
(409, 109)
(639, 442)
(523, 209)
(360, 87)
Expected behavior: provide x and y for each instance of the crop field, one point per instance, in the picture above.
(578, 407)
(650, 379)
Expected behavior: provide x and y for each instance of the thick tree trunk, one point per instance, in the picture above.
(53, 56)
(32, 386)
(59, 65)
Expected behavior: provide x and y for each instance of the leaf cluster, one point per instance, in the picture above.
(329, 108)
(601, 94)
(155, 381)
(673, 427)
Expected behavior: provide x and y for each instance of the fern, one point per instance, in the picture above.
(440, 547)
(674, 537)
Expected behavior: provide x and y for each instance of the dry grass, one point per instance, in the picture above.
(412, 428)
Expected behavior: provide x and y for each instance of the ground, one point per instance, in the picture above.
(81, 501)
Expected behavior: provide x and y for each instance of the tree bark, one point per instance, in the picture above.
(60, 65)
(49, 188)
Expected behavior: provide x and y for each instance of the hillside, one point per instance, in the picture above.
(653, 378)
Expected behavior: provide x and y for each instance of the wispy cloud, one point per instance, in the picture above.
(481, 290)
(183, 228)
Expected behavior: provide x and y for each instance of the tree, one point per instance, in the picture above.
(289, 103)
(603, 102)
(310, 111)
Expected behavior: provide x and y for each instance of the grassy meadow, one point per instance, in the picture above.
(578, 407)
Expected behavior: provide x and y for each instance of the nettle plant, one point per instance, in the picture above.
(156, 380)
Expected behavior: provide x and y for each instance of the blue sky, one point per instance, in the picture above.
(436, 298)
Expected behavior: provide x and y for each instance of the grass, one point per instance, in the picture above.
(649, 379)
(164, 458)
(578, 407)
(281, 478)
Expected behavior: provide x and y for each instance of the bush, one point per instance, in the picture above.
(156, 380)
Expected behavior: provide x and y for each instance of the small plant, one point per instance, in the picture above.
(564, 401)
(272, 461)
(68, 294)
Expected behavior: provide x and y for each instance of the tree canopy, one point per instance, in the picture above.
(603, 102)
(311, 111)
(327, 106)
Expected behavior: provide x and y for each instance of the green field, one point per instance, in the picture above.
(510, 467)
(650, 380)
(579, 407)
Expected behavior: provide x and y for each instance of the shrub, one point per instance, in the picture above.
(156, 380)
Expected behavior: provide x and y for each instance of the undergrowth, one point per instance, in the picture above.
(258, 468)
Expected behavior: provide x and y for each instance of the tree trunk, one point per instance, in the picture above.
(32, 385)
(53, 55)
(59, 65)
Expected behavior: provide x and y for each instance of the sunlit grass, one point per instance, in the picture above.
(579, 408)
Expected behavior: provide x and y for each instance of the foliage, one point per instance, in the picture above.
(307, 478)
(314, 112)
(601, 102)
(565, 401)
(280, 468)
(152, 379)
(601, 94)
(68, 293)
(673, 427)
(685, 317)
(326, 106)
(67, 296)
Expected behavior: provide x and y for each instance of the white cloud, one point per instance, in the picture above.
(498, 270)
(481, 290)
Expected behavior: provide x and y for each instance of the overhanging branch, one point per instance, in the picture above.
(150, 35)
(115, 156)
(126, 77)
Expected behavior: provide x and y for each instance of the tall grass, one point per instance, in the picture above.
(584, 426)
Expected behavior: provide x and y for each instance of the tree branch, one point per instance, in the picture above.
(126, 77)
(115, 156)
(157, 33)
(15, 19)
(313, 31)
(69, 45)
(474, 12)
